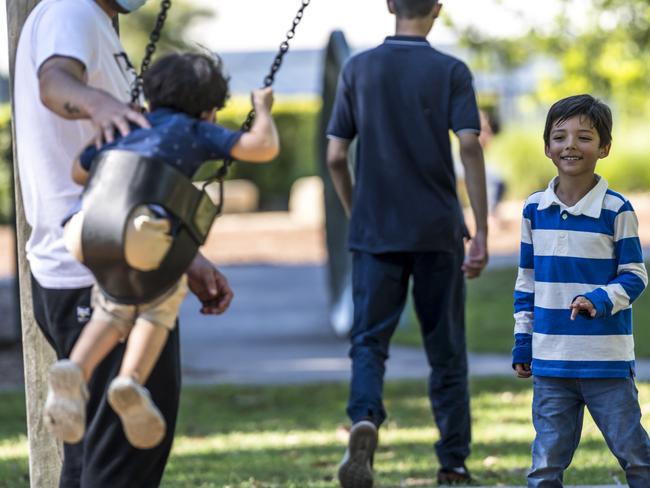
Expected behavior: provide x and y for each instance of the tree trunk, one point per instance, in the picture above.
(45, 452)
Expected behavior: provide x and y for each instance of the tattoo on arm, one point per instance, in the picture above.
(71, 109)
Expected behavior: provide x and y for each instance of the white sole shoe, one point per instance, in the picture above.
(355, 471)
(64, 413)
(144, 425)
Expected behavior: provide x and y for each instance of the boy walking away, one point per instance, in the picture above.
(401, 99)
(184, 92)
(580, 269)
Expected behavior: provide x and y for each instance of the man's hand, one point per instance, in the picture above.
(209, 286)
(582, 305)
(477, 256)
(108, 114)
(522, 370)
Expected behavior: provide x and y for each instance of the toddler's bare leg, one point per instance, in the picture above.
(65, 409)
(144, 425)
(97, 339)
(143, 348)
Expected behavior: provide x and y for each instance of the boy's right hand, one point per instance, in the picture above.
(262, 99)
(522, 370)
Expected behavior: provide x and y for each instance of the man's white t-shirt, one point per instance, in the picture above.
(47, 144)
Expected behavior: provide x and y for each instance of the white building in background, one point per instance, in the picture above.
(301, 74)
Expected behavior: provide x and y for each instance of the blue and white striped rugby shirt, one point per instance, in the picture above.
(590, 249)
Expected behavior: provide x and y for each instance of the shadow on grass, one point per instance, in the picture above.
(292, 436)
(396, 463)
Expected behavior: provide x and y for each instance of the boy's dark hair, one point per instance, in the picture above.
(411, 9)
(581, 105)
(190, 82)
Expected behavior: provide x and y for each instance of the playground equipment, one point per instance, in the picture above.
(144, 181)
(339, 264)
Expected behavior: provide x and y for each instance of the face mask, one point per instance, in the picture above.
(131, 5)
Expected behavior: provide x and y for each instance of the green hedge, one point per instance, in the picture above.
(6, 161)
(297, 122)
(518, 152)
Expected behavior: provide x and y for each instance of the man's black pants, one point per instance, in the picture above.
(104, 458)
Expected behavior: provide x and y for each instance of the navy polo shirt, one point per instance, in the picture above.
(401, 99)
(174, 138)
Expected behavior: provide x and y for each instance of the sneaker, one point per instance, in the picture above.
(64, 413)
(454, 476)
(355, 470)
(144, 425)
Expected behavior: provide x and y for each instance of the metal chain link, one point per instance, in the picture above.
(154, 37)
(222, 172)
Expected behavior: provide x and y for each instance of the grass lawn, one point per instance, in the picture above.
(489, 316)
(292, 436)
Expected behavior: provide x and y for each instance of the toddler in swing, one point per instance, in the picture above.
(184, 92)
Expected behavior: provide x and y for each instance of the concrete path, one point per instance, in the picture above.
(277, 332)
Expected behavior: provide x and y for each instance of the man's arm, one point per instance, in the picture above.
(471, 156)
(337, 163)
(64, 90)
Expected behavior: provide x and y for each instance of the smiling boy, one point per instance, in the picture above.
(580, 269)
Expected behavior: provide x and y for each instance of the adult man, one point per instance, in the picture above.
(401, 99)
(72, 85)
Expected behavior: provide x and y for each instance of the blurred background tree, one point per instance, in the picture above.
(136, 27)
(601, 47)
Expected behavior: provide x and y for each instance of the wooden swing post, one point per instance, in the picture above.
(45, 452)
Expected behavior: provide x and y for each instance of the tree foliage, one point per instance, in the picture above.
(601, 46)
(136, 27)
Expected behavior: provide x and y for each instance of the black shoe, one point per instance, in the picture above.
(355, 471)
(455, 476)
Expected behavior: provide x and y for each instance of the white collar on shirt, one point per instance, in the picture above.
(590, 205)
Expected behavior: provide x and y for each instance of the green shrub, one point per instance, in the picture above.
(519, 155)
(6, 161)
(297, 121)
(518, 152)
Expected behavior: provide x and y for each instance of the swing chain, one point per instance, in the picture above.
(222, 172)
(154, 37)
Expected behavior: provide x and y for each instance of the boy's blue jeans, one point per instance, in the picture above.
(380, 285)
(558, 410)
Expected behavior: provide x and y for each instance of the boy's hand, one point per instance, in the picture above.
(262, 99)
(582, 305)
(477, 256)
(523, 370)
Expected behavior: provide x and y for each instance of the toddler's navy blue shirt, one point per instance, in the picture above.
(174, 138)
(401, 99)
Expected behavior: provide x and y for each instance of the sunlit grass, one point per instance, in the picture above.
(489, 316)
(294, 437)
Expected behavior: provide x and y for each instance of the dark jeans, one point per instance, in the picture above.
(380, 285)
(104, 458)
